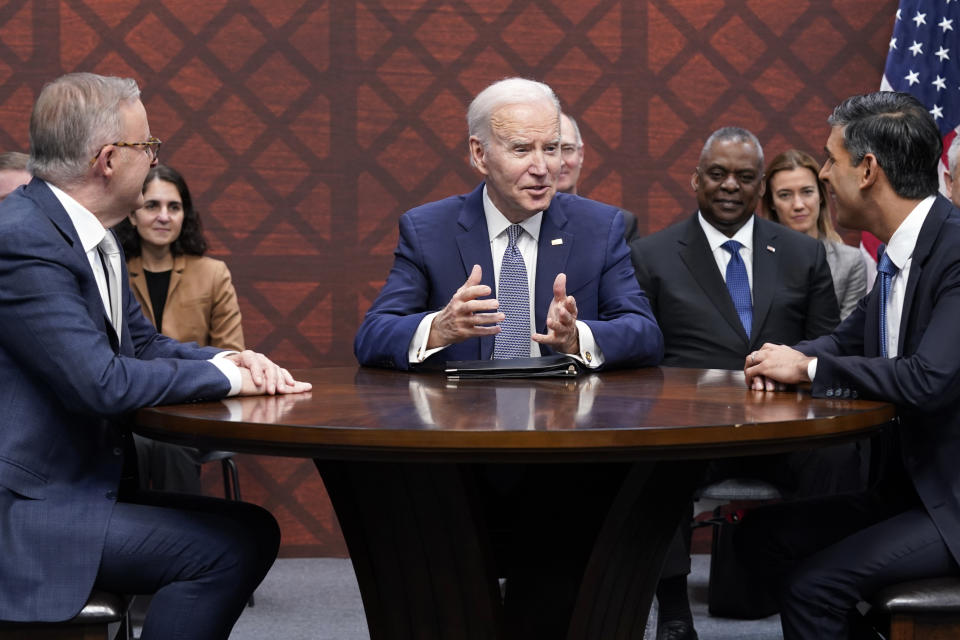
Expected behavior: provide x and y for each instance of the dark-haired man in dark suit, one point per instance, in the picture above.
(900, 345)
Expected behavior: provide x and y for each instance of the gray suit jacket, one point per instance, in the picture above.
(849, 275)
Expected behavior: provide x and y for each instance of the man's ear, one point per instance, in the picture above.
(695, 180)
(478, 154)
(948, 184)
(104, 162)
(869, 171)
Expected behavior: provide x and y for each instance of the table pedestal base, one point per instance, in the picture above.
(424, 560)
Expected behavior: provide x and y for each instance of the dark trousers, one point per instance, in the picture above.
(202, 557)
(825, 555)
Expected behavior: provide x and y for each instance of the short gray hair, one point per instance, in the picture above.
(73, 117)
(953, 157)
(576, 129)
(734, 134)
(500, 94)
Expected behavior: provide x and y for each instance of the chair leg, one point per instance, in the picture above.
(231, 477)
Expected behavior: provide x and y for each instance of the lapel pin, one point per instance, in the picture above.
(556, 241)
(771, 249)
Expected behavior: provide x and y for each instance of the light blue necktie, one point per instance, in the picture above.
(885, 272)
(739, 285)
(513, 294)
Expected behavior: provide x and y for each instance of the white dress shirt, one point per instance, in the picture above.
(715, 239)
(91, 232)
(527, 243)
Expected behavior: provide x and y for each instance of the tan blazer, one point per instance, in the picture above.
(201, 303)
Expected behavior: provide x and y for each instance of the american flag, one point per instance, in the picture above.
(924, 60)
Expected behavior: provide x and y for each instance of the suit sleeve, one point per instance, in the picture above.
(823, 313)
(386, 331)
(51, 335)
(626, 330)
(926, 380)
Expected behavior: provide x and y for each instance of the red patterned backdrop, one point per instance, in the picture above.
(305, 128)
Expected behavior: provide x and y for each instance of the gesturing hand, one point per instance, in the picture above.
(562, 332)
(465, 316)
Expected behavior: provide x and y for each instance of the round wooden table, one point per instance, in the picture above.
(411, 461)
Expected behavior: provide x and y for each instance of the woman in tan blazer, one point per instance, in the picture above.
(186, 295)
(796, 198)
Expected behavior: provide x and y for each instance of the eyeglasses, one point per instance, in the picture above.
(151, 147)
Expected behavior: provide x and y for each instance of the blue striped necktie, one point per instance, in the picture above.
(513, 294)
(739, 285)
(885, 272)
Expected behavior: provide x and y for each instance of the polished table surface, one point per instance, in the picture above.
(598, 470)
(637, 413)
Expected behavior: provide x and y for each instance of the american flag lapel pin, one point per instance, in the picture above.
(556, 241)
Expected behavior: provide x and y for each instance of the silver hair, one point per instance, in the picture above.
(576, 129)
(735, 134)
(500, 94)
(73, 117)
(953, 158)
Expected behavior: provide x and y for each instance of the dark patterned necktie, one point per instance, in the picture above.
(513, 294)
(885, 272)
(739, 285)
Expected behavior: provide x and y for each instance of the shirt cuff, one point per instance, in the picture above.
(417, 352)
(229, 369)
(590, 354)
(812, 369)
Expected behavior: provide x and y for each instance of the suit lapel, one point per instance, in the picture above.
(765, 269)
(699, 260)
(54, 211)
(138, 281)
(473, 241)
(551, 260)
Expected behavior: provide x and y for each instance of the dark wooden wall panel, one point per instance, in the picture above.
(305, 128)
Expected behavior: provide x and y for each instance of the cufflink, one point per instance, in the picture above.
(588, 356)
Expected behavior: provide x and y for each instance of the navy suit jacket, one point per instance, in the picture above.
(793, 296)
(923, 381)
(66, 384)
(441, 241)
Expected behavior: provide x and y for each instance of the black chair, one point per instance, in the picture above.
(104, 617)
(927, 609)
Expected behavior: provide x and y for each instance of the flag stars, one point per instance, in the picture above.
(943, 54)
(898, 12)
(893, 43)
(939, 83)
(912, 77)
(920, 18)
(936, 112)
(946, 25)
(916, 48)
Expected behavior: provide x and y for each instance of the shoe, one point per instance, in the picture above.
(676, 630)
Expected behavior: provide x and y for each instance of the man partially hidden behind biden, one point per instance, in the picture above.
(564, 284)
(558, 263)
(77, 357)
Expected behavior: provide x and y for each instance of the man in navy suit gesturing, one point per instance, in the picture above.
(77, 356)
(564, 284)
(580, 299)
(900, 345)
